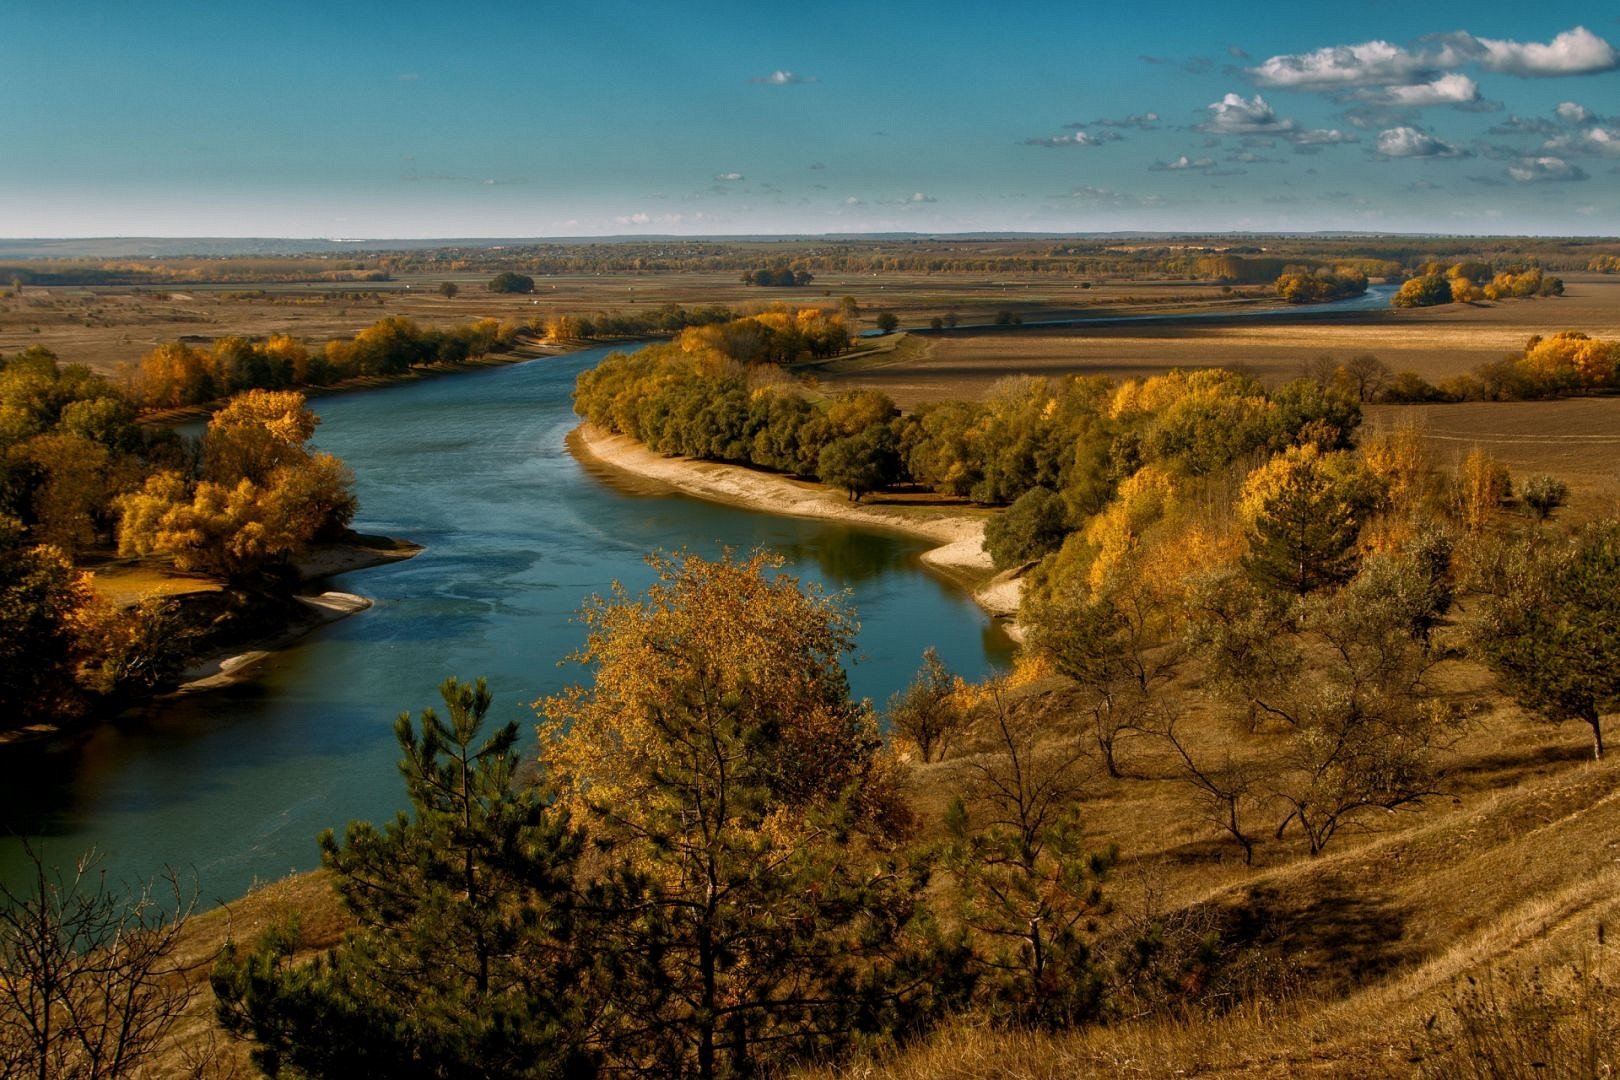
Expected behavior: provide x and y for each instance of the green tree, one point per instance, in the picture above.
(509, 282)
(1027, 885)
(449, 289)
(466, 960)
(1032, 526)
(926, 714)
(888, 321)
(1551, 627)
(1302, 513)
(860, 463)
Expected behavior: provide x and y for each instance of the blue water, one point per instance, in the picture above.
(233, 786)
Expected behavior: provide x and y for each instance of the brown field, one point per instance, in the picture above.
(1434, 342)
(111, 326)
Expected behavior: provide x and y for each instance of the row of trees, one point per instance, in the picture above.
(666, 320)
(1471, 282)
(1075, 437)
(781, 278)
(1567, 362)
(177, 374)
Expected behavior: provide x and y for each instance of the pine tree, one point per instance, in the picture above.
(464, 962)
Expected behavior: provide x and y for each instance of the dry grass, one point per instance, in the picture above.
(127, 583)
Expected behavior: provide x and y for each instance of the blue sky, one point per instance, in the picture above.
(405, 119)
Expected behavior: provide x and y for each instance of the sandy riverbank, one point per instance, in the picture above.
(960, 536)
(237, 665)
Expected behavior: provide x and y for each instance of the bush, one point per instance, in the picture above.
(1032, 526)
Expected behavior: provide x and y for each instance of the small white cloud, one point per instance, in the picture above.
(1574, 52)
(854, 200)
(919, 197)
(1409, 142)
(1324, 137)
(782, 77)
(729, 177)
(1144, 121)
(1182, 164)
(1571, 113)
(638, 218)
(1077, 138)
(1534, 170)
(1594, 140)
(1236, 115)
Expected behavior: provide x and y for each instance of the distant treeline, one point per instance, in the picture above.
(1235, 260)
(187, 271)
(177, 374)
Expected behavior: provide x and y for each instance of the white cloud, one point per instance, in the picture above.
(1371, 63)
(638, 218)
(782, 77)
(1324, 137)
(1236, 115)
(1452, 89)
(1077, 138)
(1594, 140)
(854, 200)
(1183, 164)
(1571, 113)
(1409, 142)
(729, 177)
(1382, 64)
(1533, 170)
(919, 197)
(1574, 52)
(1145, 121)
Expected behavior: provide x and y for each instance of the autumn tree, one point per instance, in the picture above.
(449, 289)
(464, 960)
(746, 804)
(1334, 686)
(1550, 626)
(40, 598)
(265, 494)
(1482, 484)
(888, 321)
(1033, 525)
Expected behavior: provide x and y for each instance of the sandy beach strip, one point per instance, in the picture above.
(959, 537)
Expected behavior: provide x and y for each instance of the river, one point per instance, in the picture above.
(233, 786)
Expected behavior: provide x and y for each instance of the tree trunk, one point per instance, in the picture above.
(1597, 733)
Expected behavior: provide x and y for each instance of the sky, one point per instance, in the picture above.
(356, 119)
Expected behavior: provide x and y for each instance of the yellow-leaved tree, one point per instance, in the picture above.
(264, 496)
(744, 807)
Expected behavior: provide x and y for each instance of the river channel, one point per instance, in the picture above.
(233, 786)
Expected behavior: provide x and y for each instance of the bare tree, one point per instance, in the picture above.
(1226, 791)
(89, 986)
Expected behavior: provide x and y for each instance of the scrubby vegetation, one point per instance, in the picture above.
(1568, 362)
